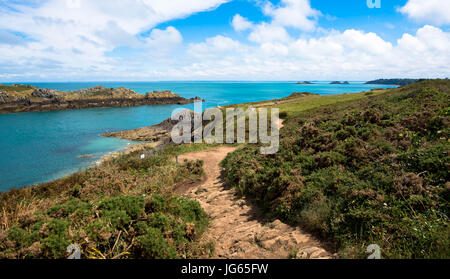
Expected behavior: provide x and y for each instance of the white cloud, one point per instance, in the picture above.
(79, 33)
(293, 13)
(427, 39)
(366, 42)
(215, 46)
(165, 38)
(115, 36)
(265, 32)
(428, 11)
(348, 55)
(240, 23)
(275, 49)
(296, 14)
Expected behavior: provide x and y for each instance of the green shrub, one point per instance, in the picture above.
(54, 238)
(20, 237)
(152, 245)
(283, 115)
(434, 160)
(74, 206)
(131, 206)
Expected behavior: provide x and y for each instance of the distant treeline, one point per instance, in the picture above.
(394, 81)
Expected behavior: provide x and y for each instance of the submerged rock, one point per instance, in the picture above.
(84, 156)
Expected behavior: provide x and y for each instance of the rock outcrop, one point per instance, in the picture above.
(45, 93)
(6, 97)
(2, 97)
(156, 133)
(24, 98)
(160, 94)
(90, 90)
(300, 94)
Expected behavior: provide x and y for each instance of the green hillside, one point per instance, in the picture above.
(368, 171)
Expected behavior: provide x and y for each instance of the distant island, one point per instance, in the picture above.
(394, 81)
(304, 82)
(338, 82)
(27, 98)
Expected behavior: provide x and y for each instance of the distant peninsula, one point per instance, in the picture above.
(304, 82)
(338, 82)
(27, 98)
(394, 81)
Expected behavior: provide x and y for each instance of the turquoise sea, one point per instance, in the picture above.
(37, 147)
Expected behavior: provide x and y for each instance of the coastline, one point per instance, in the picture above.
(25, 98)
(158, 136)
(20, 107)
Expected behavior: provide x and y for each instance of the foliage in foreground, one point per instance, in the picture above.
(374, 170)
(123, 209)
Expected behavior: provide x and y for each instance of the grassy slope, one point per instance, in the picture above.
(18, 88)
(371, 170)
(24, 91)
(123, 209)
(300, 104)
(296, 104)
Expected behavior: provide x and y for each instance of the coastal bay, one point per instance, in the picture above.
(42, 146)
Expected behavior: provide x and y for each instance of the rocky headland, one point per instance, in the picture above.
(160, 133)
(26, 98)
(394, 81)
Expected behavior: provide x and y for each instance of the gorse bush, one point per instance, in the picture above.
(123, 209)
(374, 170)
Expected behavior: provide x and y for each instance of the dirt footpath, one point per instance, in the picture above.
(237, 227)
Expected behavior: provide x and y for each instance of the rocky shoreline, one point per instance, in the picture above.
(24, 98)
(92, 103)
(153, 133)
(153, 138)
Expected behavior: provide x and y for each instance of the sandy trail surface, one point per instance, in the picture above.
(237, 228)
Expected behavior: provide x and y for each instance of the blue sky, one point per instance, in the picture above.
(339, 15)
(150, 40)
